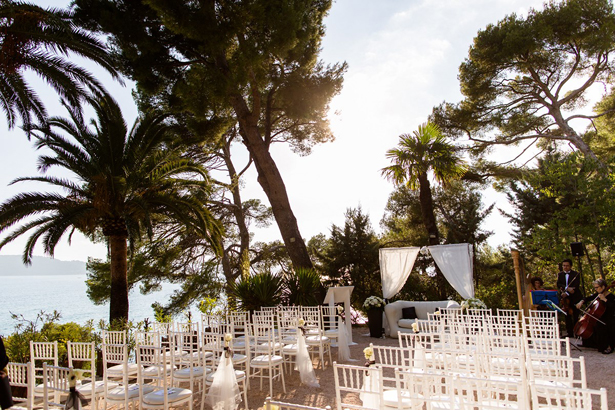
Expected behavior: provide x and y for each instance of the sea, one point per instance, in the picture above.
(27, 296)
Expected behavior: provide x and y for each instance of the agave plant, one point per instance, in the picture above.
(255, 291)
(302, 287)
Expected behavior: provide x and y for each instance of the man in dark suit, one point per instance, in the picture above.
(569, 284)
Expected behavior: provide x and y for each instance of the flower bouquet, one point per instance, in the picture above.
(472, 303)
(373, 302)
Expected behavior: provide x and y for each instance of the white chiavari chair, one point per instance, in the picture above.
(187, 361)
(541, 324)
(537, 348)
(426, 390)
(505, 325)
(461, 364)
(352, 381)
(158, 393)
(82, 355)
(503, 367)
(502, 344)
(267, 361)
(239, 326)
(265, 318)
(480, 312)
(427, 339)
(331, 322)
(289, 327)
(116, 368)
(558, 371)
(55, 386)
(21, 376)
(280, 405)
(241, 377)
(314, 337)
(489, 394)
(115, 337)
(151, 338)
(567, 398)
(389, 359)
(40, 353)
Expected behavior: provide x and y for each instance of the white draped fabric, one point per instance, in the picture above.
(395, 267)
(456, 264)
(343, 351)
(224, 392)
(303, 362)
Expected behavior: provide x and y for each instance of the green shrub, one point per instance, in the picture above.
(255, 291)
(302, 288)
(44, 328)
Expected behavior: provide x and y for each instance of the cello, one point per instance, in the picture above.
(585, 326)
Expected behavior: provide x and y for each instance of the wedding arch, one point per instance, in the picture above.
(455, 262)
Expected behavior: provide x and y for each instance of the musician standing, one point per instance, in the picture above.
(569, 284)
(603, 336)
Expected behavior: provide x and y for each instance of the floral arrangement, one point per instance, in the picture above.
(301, 322)
(227, 339)
(473, 303)
(73, 376)
(373, 302)
(415, 327)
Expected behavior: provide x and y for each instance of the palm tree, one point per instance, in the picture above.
(44, 41)
(126, 182)
(425, 151)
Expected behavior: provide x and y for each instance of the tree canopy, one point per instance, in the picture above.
(42, 41)
(256, 59)
(527, 79)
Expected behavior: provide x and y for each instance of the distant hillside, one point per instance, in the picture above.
(11, 265)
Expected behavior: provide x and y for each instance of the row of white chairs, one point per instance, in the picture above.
(359, 387)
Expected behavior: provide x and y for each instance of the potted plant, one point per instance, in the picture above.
(374, 307)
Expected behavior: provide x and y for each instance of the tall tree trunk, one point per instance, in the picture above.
(118, 309)
(272, 183)
(238, 213)
(429, 221)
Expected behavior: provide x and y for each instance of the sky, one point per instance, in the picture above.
(403, 59)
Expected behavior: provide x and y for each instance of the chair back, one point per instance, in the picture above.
(21, 375)
(55, 385)
(40, 353)
(357, 380)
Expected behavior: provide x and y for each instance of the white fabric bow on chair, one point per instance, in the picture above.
(304, 363)
(224, 391)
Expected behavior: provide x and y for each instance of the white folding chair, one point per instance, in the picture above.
(279, 405)
(82, 355)
(21, 376)
(159, 394)
(40, 353)
(357, 387)
(567, 398)
(267, 360)
(55, 386)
